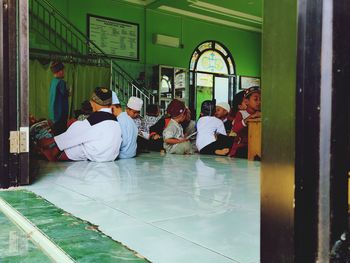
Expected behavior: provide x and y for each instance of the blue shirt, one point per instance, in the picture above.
(58, 105)
(129, 136)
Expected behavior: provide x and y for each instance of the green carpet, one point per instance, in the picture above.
(81, 240)
(15, 245)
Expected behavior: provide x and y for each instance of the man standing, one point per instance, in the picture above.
(58, 103)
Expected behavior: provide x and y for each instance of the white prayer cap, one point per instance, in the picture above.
(135, 103)
(224, 105)
(115, 99)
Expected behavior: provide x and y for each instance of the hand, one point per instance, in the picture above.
(255, 115)
(183, 140)
(156, 137)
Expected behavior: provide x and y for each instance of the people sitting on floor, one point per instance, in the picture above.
(83, 113)
(189, 128)
(238, 103)
(151, 118)
(253, 101)
(97, 138)
(39, 130)
(211, 133)
(156, 141)
(128, 127)
(174, 139)
(221, 112)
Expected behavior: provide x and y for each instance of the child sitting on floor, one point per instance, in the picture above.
(151, 118)
(252, 100)
(211, 136)
(238, 104)
(221, 112)
(174, 140)
(156, 133)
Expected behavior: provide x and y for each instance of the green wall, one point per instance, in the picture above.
(244, 46)
(81, 80)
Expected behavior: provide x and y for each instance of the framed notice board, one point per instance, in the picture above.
(114, 37)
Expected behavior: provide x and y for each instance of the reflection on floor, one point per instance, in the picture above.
(15, 246)
(75, 237)
(167, 208)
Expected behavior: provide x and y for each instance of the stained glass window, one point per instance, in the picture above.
(221, 49)
(204, 80)
(212, 61)
(193, 60)
(230, 64)
(204, 46)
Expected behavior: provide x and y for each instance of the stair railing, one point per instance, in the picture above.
(55, 28)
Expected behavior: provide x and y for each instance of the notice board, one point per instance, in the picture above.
(114, 37)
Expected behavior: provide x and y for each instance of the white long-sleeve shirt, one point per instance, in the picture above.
(98, 138)
(207, 127)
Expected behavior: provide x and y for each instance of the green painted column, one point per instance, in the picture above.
(279, 56)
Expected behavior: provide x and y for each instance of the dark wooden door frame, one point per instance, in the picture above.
(322, 127)
(322, 141)
(14, 60)
(4, 145)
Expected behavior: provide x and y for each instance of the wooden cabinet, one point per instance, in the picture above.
(171, 83)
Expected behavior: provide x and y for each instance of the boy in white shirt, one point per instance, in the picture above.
(211, 133)
(128, 127)
(174, 140)
(96, 138)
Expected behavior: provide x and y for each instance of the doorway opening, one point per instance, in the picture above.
(212, 74)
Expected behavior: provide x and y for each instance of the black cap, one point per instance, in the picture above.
(56, 66)
(208, 108)
(102, 96)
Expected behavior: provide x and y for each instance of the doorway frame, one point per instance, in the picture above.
(304, 206)
(14, 91)
(193, 78)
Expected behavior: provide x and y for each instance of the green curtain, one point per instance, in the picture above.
(81, 80)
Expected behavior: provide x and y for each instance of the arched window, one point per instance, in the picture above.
(212, 74)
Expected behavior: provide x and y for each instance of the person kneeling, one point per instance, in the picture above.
(174, 140)
(97, 138)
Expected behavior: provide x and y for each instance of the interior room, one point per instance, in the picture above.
(279, 201)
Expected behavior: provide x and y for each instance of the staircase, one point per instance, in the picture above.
(67, 39)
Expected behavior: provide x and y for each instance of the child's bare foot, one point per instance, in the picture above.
(222, 151)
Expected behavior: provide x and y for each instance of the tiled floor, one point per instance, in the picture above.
(167, 208)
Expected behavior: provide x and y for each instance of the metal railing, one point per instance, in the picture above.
(65, 37)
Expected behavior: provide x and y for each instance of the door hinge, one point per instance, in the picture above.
(19, 140)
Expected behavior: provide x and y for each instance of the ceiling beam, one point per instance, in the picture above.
(156, 3)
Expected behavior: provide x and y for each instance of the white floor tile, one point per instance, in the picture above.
(167, 208)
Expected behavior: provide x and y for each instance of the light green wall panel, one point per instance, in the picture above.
(245, 46)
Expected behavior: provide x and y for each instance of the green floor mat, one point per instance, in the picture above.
(15, 246)
(78, 238)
